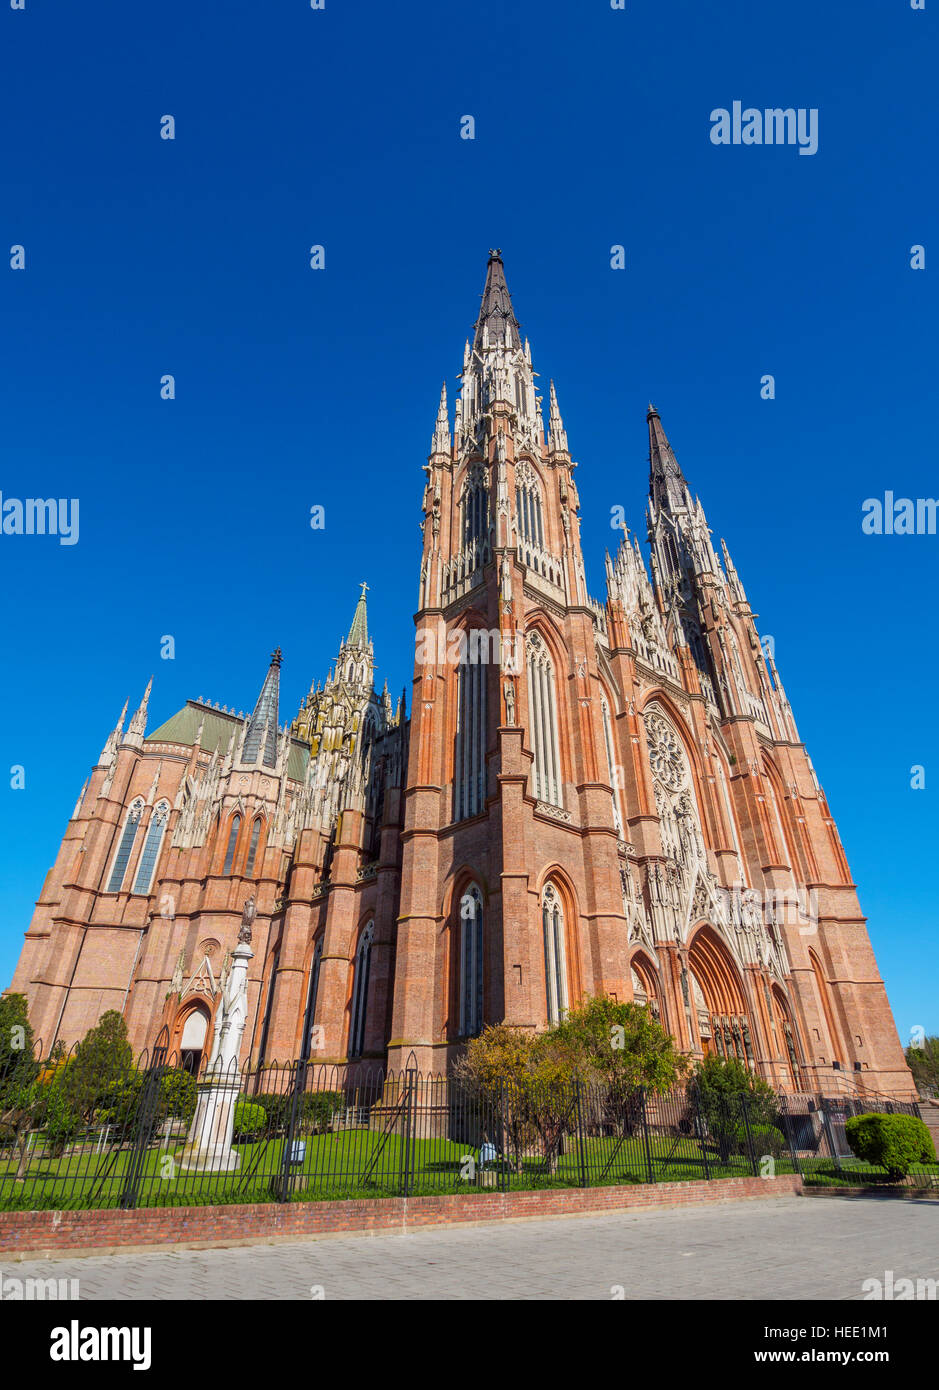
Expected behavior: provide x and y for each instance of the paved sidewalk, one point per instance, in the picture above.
(790, 1248)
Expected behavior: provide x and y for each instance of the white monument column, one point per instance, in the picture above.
(209, 1144)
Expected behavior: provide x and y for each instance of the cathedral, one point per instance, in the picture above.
(577, 797)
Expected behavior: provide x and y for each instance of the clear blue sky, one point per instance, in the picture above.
(296, 387)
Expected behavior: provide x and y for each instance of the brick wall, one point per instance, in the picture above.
(54, 1232)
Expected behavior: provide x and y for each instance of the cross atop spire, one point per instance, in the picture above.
(495, 312)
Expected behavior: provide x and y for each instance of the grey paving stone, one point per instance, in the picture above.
(791, 1248)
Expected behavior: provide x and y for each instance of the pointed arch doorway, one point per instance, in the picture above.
(720, 1008)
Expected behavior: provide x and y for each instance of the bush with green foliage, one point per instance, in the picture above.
(177, 1096)
(319, 1107)
(766, 1140)
(315, 1113)
(250, 1122)
(894, 1142)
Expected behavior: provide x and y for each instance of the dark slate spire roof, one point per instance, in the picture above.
(667, 486)
(358, 632)
(261, 738)
(496, 308)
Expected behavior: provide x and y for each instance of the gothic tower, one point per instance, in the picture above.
(608, 798)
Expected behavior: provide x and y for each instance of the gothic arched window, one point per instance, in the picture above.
(555, 955)
(125, 845)
(613, 765)
(151, 847)
(474, 510)
(469, 760)
(253, 847)
(471, 962)
(232, 842)
(363, 962)
(528, 507)
(543, 723)
(306, 1043)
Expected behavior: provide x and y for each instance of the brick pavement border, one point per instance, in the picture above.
(25, 1234)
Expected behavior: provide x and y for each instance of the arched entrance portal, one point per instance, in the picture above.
(192, 1041)
(720, 1008)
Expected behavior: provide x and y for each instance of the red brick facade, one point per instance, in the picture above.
(614, 798)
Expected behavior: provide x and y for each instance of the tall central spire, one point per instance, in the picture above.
(261, 738)
(358, 632)
(496, 312)
(667, 486)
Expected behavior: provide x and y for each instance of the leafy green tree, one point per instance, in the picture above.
(724, 1087)
(621, 1046)
(100, 1075)
(18, 1072)
(617, 1050)
(924, 1063)
(496, 1071)
(18, 1067)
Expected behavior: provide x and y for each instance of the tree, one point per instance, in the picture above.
(924, 1063)
(495, 1072)
(100, 1074)
(728, 1095)
(619, 1051)
(601, 1052)
(18, 1067)
(18, 1072)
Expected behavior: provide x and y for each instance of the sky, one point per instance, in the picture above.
(294, 387)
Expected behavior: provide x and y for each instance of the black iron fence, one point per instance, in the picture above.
(75, 1135)
(815, 1130)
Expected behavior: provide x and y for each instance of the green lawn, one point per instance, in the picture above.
(347, 1164)
(854, 1172)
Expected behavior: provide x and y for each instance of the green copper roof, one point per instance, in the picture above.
(358, 632)
(217, 730)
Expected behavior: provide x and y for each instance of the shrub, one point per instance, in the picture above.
(767, 1139)
(894, 1142)
(319, 1107)
(276, 1106)
(250, 1122)
(314, 1114)
(177, 1095)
